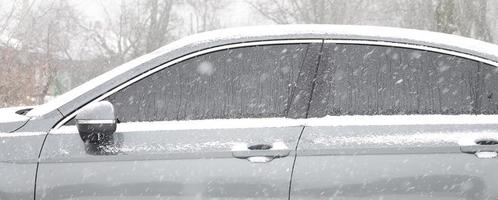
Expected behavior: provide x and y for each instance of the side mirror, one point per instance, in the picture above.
(96, 123)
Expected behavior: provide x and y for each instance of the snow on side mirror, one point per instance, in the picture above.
(96, 123)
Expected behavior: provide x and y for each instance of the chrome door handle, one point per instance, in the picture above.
(260, 153)
(483, 148)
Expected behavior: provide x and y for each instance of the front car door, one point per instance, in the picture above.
(18, 161)
(210, 127)
(399, 122)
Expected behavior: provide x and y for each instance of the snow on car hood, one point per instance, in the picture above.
(10, 120)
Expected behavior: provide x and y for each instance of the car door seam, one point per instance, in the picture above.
(38, 164)
(306, 116)
(294, 163)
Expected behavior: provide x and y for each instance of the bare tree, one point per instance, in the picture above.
(159, 17)
(464, 17)
(446, 16)
(417, 14)
(49, 32)
(38, 35)
(307, 11)
(205, 14)
(138, 28)
(483, 29)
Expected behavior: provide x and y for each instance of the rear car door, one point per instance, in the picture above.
(393, 121)
(209, 127)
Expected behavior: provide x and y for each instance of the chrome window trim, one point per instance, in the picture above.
(414, 46)
(180, 59)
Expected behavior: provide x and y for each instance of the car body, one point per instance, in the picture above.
(273, 112)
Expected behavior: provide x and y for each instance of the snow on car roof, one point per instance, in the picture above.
(345, 32)
(277, 32)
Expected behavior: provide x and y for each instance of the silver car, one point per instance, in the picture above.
(274, 112)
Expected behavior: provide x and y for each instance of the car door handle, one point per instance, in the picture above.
(483, 148)
(260, 153)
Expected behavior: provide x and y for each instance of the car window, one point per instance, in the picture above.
(246, 82)
(377, 80)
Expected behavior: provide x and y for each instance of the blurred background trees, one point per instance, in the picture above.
(48, 47)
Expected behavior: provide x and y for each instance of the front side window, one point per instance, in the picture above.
(247, 82)
(377, 80)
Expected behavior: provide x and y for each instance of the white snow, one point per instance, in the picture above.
(205, 68)
(21, 134)
(377, 120)
(446, 41)
(460, 138)
(239, 146)
(342, 32)
(259, 159)
(179, 147)
(9, 115)
(486, 155)
(279, 146)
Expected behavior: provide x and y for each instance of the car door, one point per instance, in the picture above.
(210, 127)
(19, 151)
(392, 121)
(18, 160)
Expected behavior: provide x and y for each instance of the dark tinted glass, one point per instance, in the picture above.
(488, 102)
(250, 82)
(376, 80)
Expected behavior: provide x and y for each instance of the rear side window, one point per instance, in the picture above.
(249, 82)
(377, 80)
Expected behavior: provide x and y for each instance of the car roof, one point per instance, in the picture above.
(343, 32)
(73, 99)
